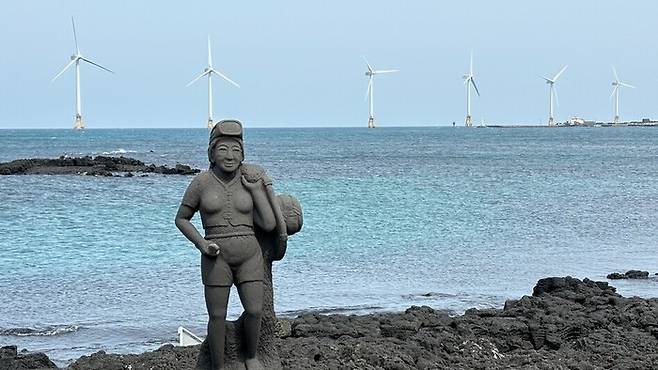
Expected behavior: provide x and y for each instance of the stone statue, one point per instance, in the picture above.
(246, 228)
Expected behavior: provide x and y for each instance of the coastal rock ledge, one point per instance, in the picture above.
(566, 324)
(91, 166)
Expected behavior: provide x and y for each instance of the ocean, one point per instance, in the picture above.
(452, 218)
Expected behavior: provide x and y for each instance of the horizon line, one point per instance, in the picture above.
(246, 127)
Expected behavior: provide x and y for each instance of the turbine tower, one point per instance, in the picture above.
(208, 71)
(75, 59)
(615, 91)
(371, 72)
(552, 92)
(469, 80)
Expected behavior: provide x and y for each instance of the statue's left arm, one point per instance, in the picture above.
(263, 213)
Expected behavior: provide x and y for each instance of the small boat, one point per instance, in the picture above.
(187, 338)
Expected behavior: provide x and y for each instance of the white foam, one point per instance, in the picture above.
(120, 151)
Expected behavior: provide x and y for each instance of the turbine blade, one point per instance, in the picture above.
(547, 79)
(385, 71)
(224, 77)
(559, 73)
(209, 54)
(614, 71)
(62, 71)
(627, 85)
(197, 78)
(75, 37)
(368, 89)
(368, 64)
(471, 62)
(96, 64)
(613, 91)
(475, 86)
(557, 101)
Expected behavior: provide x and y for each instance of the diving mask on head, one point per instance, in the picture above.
(226, 128)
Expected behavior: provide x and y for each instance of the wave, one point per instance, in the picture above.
(119, 151)
(430, 295)
(45, 331)
(331, 310)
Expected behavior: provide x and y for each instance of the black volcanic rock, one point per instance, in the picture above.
(10, 359)
(616, 276)
(91, 166)
(631, 274)
(636, 274)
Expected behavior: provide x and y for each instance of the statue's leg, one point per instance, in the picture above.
(251, 296)
(216, 302)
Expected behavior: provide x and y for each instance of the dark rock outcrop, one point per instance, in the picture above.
(566, 324)
(11, 359)
(631, 274)
(90, 166)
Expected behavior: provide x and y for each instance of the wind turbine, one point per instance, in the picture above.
(469, 80)
(615, 91)
(208, 71)
(552, 92)
(75, 59)
(371, 72)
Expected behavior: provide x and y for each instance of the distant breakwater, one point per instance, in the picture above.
(90, 166)
(596, 125)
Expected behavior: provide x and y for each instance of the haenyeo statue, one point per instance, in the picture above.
(246, 228)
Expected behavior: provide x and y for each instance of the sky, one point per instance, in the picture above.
(300, 63)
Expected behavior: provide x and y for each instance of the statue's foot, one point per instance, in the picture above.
(253, 364)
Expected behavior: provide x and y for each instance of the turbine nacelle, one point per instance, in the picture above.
(617, 82)
(552, 81)
(209, 70)
(75, 58)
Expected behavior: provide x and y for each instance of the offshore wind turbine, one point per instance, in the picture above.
(76, 59)
(208, 71)
(615, 92)
(552, 92)
(371, 72)
(469, 80)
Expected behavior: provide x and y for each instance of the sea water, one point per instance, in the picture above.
(448, 217)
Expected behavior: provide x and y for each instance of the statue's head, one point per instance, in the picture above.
(225, 147)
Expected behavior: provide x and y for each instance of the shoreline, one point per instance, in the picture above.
(566, 322)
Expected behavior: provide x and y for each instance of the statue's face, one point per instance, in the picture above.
(227, 155)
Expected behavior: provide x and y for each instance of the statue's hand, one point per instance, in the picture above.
(252, 186)
(210, 249)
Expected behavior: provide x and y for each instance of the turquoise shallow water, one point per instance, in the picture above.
(472, 216)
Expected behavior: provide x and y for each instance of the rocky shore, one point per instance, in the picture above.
(566, 324)
(90, 166)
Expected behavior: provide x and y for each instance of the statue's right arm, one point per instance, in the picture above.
(186, 227)
(189, 206)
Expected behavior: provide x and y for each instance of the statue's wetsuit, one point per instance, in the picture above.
(227, 215)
